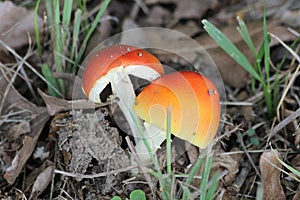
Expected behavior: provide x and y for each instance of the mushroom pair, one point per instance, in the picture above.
(193, 98)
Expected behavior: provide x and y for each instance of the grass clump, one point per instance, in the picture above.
(168, 189)
(64, 36)
(262, 59)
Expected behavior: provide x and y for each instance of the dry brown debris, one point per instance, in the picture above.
(270, 173)
(88, 136)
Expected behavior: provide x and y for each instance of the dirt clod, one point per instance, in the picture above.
(88, 137)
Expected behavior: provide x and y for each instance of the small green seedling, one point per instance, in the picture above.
(253, 138)
(137, 195)
(134, 195)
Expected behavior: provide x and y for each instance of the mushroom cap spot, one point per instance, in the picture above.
(195, 113)
(104, 61)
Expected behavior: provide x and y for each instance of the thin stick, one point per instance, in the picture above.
(248, 155)
(284, 122)
(141, 166)
(91, 176)
(228, 103)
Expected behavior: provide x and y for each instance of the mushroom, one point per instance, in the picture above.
(194, 101)
(113, 65)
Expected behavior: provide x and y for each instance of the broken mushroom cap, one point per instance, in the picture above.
(194, 102)
(127, 59)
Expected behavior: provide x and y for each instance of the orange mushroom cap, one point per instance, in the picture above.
(194, 101)
(130, 58)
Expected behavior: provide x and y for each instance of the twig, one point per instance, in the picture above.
(12, 80)
(248, 155)
(287, 88)
(29, 66)
(284, 122)
(238, 103)
(91, 176)
(141, 166)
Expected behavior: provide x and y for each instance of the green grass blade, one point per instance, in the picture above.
(90, 31)
(293, 170)
(259, 56)
(243, 30)
(213, 187)
(205, 177)
(81, 4)
(58, 49)
(66, 18)
(50, 11)
(168, 144)
(267, 88)
(193, 172)
(47, 73)
(76, 30)
(58, 43)
(186, 193)
(230, 49)
(36, 28)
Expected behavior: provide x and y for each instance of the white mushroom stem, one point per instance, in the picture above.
(123, 89)
(154, 137)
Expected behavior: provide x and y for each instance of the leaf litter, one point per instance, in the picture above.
(26, 132)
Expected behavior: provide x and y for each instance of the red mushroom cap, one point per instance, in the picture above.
(194, 101)
(130, 58)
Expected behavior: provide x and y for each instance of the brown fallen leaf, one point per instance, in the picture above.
(41, 182)
(188, 9)
(16, 130)
(27, 149)
(270, 174)
(31, 177)
(231, 163)
(158, 16)
(191, 9)
(13, 100)
(297, 195)
(189, 28)
(232, 73)
(16, 24)
(55, 105)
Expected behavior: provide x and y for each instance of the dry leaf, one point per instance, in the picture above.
(232, 73)
(189, 28)
(157, 16)
(19, 129)
(55, 105)
(28, 147)
(192, 152)
(270, 175)
(297, 195)
(229, 162)
(188, 9)
(191, 9)
(16, 24)
(41, 182)
(14, 100)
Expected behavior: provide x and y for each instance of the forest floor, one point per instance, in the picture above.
(54, 144)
